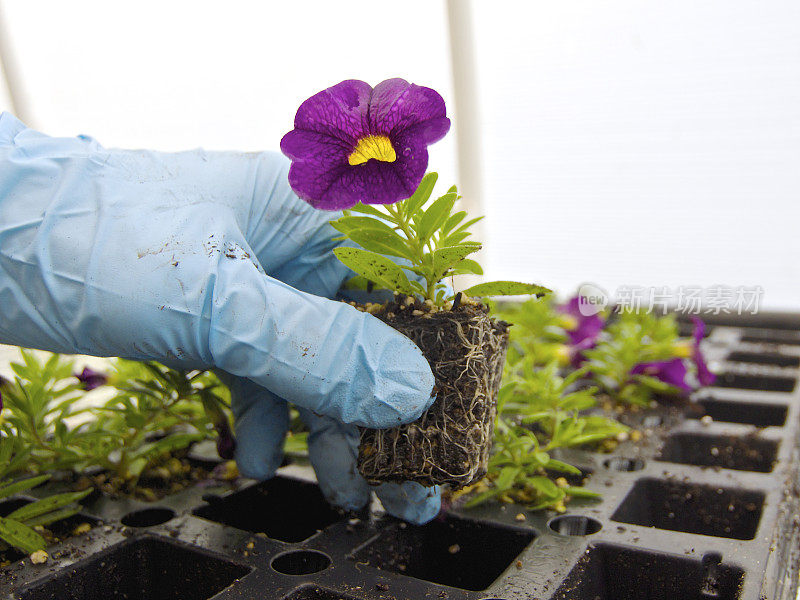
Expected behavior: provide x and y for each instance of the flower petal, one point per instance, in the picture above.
(588, 327)
(704, 374)
(672, 372)
(411, 161)
(373, 182)
(339, 111)
(91, 379)
(397, 105)
(318, 161)
(318, 186)
(305, 145)
(699, 330)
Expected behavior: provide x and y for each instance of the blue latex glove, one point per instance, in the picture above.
(205, 260)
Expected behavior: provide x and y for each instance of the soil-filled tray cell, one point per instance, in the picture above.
(455, 552)
(763, 383)
(747, 413)
(692, 508)
(609, 572)
(772, 336)
(316, 593)
(765, 358)
(284, 509)
(742, 453)
(145, 569)
(53, 533)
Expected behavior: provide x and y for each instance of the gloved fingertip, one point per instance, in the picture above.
(333, 448)
(257, 466)
(410, 501)
(261, 424)
(404, 390)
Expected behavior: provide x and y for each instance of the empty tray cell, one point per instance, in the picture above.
(145, 568)
(765, 358)
(742, 453)
(455, 552)
(692, 508)
(772, 336)
(747, 413)
(284, 509)
(312, 592)
(764, 383)
(609, 572)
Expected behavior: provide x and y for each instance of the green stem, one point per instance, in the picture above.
(417, 249)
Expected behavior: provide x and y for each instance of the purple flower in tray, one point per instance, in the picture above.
(704, 375)
(226, 442)
(352, 143)
(588, 327)
(672, 372)
(91, 379)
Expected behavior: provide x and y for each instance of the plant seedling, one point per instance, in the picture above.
(363, 149)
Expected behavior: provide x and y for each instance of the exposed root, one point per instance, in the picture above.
(450, 443)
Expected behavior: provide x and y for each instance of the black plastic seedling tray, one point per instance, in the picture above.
(699, 509)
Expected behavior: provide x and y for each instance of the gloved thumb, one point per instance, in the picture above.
(320, 354)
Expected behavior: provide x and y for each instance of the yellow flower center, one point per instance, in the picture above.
(684, 349)
(378, 147)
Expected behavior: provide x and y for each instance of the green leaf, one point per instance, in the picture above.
(454, 238)
(506, 288)
(296, 444)
(544, 486)
(176, 441)
(421, 195)
(356, 282)
(468, 224)
(445, 258)
(467, 266)
(452, 221)
(20, 486)
(543, 458)
(376, 268)
(483, 497)
(367, 210)
(435, 216)
(47, 505)
(20, 536)
(507, 477)
(581, 492)
(137, 465)
(382, 241)
(562, 467)
(349, 224)
(52, 517)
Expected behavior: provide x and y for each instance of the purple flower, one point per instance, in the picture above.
(672, 372)
(352, 143)
(91, 379)
(704, 375)
(586, 331)
(226, 443)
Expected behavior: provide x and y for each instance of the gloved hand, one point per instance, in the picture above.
(205, 260)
